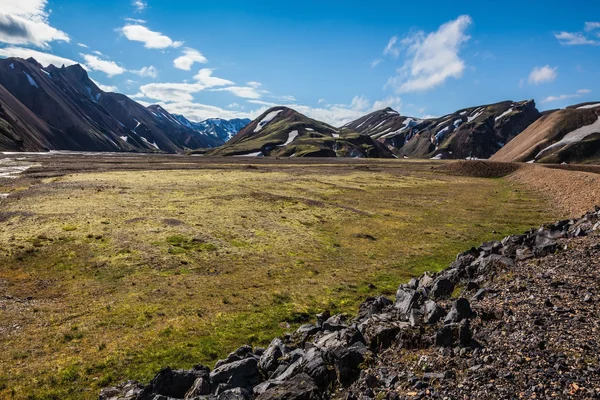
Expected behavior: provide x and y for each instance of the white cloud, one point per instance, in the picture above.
(574, 39)
(391, 48)
(139, 5)
(189, 57)
(233, 105)
(182, 92)
(434, 57)
(151, 39)
(85, 46)
(25, 22)
(97, 52)
(43, 58)
(375, 63)
(543, 74)
(106, 88)
(590, 26)
(136, 20)
(579, 93)
(110, 68)
(199, 112)
(321, 101)
(150, 72)
(245, 92)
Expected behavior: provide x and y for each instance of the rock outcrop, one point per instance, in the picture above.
(511, 317)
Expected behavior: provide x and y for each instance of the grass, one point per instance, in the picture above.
(181, 267)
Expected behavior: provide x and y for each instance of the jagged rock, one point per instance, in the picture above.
(269, 361)
(373, 306)
(451, 334)
(433, 312)
(489, 248)
(238, 374)
(415, 317)
(239, 354)
(347, 360)
(314, 365)
(407, 299)
(200, 387)
(442, 287)
(335, 323)
(304, 333)
(380, 331)
(495, 262)
(129, 390)
(173, 383)
(235, 394)
(461, 309)
(300, 387)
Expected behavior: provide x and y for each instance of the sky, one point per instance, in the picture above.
(332, 60)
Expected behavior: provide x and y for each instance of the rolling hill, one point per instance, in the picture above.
(283, 132)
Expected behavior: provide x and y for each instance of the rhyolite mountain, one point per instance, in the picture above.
(283, 132)
(51, 108)
(471, 132)
(571, 135)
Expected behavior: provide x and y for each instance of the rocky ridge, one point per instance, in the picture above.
(509, 319)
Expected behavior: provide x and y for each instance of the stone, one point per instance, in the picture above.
(238, 374)
(433, 312)
(174, 383)
(442, 288)
(269, 361)
(300, 387)
(129, 390)
(200, 387)
(461, 309)
(406, 300)
(235, 394)
(335, 323)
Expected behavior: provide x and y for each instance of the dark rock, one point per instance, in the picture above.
(373, 306)
(461, 309)
(200, 387)
(335, 323)
(129, 390)
(238, 374)
(433, 312)
(269, 361)
(380, 331)
(480, 294)
(173, 383)
(407, 299)
(347, 360)
(490, 248)
(239, 354)
(314, 365)
(442, 288)
(495, 262)
(300, 387)
(304, 333)
(415, 317)
(235, 394)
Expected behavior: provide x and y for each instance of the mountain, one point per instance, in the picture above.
(283, 132)
(51, 108)
(571, 135)
(471, 132)
(220, 128)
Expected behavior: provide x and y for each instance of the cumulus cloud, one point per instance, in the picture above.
(245, 92)
(26, 23)
(95, 63)
(579, 38)
(590, 26)
(43, 58)
(151, 39)
(579, 93)
(432, 58)
(189, 57)
(182, 92)
(150, 72)
(543, 74)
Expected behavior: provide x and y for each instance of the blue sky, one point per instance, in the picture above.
(333, 60)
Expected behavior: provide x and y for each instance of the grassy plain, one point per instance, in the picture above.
(112, 275)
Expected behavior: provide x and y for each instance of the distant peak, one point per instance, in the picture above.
(33, 61)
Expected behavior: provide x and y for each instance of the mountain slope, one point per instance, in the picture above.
(283, 132)
(471, 132)
(570, 135)
(82, 117)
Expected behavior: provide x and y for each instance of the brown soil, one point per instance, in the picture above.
(481, 169)
(573, 192)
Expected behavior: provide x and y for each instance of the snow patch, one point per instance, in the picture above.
(268, 118)
(335, 135)
(148, 143)
(47, 73)
(437, 157)
(476, 114)
(12, 66)
(588, 106)
(574, 137)
(504, 114)
(124, 138)
(292, 135)
(31, 81)
(257, 154)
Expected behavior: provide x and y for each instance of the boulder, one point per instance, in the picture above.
(238, 374)
(335, 323)
(201, 387)
(407, 299)
(347, 361)
(454, 334)
(461, 310)
(380, 331)
(442, 288)
(373, 306)
(433, 312)
(173, 383)
(314, 365)
(300, 387)
(269, 361)
(235, 394)
(239, 354)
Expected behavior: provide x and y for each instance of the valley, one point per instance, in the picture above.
(115, 265)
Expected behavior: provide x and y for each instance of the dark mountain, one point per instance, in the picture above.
(283, 132)
(220, 128)
(477, 131)
(72, 113)
(571, 135)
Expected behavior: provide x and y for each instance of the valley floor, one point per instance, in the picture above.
(113, 266)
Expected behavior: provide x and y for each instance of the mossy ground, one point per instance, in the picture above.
(131, 271)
